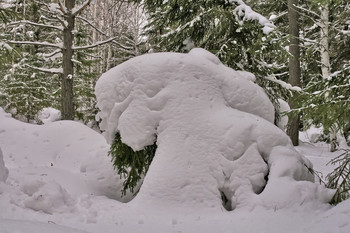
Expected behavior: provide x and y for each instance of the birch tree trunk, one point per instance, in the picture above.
(294, 66)
(325, 63)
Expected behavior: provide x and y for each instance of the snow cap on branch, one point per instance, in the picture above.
(245, 12)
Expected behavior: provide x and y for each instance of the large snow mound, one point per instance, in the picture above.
(83, 174)
(217, 145)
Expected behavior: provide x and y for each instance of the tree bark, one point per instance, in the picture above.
(294, 66)
(67, 97)
(325, 63)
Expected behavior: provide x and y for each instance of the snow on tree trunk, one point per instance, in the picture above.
(294, 66)
(217, 144)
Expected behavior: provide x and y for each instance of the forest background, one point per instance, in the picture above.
(52, 52)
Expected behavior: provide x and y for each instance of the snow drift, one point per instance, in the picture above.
(3, 169)
(217, 145)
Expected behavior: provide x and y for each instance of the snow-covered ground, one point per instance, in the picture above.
(61, 180)
(214, 135)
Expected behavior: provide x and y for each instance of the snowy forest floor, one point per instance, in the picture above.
(61, 180)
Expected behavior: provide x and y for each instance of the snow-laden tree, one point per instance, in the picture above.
(325, 38)
(25, 91)
(217, 146)
(122, 20)
(58, 21)
(56, 39)
(242, 38)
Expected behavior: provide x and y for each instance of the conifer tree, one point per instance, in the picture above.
(326, 71)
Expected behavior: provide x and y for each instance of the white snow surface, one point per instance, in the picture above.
(66, 163)
(47, 115)
(283, 109)
(215, 134)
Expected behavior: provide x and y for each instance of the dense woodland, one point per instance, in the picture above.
(52, 52)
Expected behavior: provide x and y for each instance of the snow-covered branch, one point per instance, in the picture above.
(46, 70)
(285, 85)
(47, 44)
(94, 45)
(122, 46)
(103, 33)
(36, 24)
(51, 56)
(6, 46)
(77, 10)
(62, 7)
(91, 25)
(244, 11)
(307, 11)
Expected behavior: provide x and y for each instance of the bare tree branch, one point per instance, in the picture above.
(62, 8)
(91, 25)
(94, 45)
(80, 8)
(105, 34)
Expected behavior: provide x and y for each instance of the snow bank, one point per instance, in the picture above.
(47, 115)
(47, 197)
(65, 152)
(3, 170)
(217, 145)
(20, 226)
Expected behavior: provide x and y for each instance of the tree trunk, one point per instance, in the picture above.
(67, 97)
(294, 66)
(326, 65)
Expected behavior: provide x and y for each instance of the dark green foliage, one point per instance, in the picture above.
(85, 79)
(326, 102)
(339, 179)
(215, 26)
(130, 165)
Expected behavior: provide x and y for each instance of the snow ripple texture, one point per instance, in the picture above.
(217, 145)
